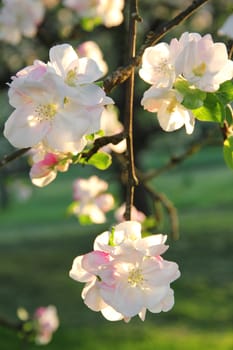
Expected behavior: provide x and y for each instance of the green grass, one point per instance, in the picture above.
(38, 243)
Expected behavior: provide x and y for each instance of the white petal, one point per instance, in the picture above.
(61, 56)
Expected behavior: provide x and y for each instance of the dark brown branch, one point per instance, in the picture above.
(101, 142)
(128, 124)
(10, 325)
(14, 155)
(123, 73)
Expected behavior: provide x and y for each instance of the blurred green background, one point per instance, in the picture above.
(38, 240)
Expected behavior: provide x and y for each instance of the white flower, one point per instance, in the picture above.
(170, 113)
(46, 323)
(56, 104)
(157, 66)
(20, 18)
(92, 50)
(91, 200)
(227, 27)
(203, 63)
(45, 115)
(125, 274)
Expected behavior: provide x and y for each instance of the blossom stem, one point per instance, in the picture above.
(131, 174)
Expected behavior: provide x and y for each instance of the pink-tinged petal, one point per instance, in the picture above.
(131, 230)
(78, 273)
(93, 261)
(90, 95)
(43, 180)
(165, 304)
(111, 315)
(105, 202)
(153, 98)
(124, 299)
(159, 272)
(61, 56)
(142, 314)
(101, 242)
(92, 298)
(154, 295)
(88, 71)
(69, 127)
(22, 129)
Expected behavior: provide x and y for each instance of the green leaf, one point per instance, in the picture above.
(100, 160)
(212, 110)
(228, 151)
(225, 92)
(193, 97)
(229, 116)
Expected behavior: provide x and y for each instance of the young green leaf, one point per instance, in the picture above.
(212, 110)
(100, 160)
(193, 97)
(225, 92)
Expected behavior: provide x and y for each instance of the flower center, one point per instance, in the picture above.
(199, 71)
(71, 77)
(135, 277)
(45, 112)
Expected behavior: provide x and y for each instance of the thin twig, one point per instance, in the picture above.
(12, 156)
(169, 206)
(131, 176)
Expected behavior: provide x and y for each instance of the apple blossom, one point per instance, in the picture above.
(20, 18)
(92, 50)
(46, 323)
(125, 274)
(91, 201)
(45, 171)
(108, 12)
(170, 112)
(158, 66)
(203, 63)
(56, 104)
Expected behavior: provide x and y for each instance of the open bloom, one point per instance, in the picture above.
(20, 18)
(202, 62)
(125, 274)
(91, 201)
(56, 104)
(46, 323)
(170, 112)
(158, 67)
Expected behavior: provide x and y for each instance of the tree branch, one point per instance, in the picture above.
(12, 156)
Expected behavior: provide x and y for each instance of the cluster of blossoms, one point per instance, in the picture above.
(46, 322)
(193, 61)
(41, 325)
(20, 18)
(56, 106)
(107, 12)
(125, 274)
(90, 200)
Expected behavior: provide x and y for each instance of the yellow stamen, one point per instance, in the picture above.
(199, 71)
(45, 112)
